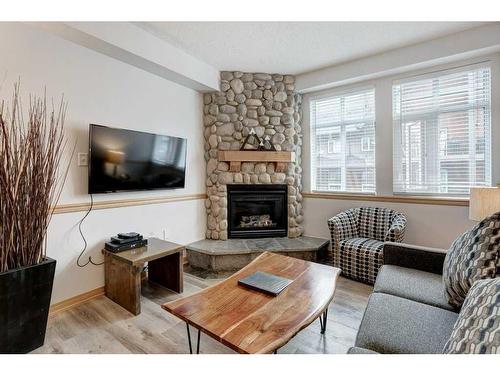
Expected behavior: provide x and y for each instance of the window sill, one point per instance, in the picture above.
(440, 201)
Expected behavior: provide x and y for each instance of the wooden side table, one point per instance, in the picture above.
(123, 271)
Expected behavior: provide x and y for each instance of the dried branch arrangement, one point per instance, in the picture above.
(30, 179)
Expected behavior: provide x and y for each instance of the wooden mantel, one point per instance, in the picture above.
(235, 158)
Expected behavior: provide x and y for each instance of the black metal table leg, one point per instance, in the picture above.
(189, 341)
(322, 321)
(198, 343)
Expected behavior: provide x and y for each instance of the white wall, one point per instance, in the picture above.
(428, 225)
(105, 91)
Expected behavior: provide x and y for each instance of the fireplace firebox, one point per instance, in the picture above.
(257, 211)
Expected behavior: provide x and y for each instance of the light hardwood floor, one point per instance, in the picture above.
(101, 326)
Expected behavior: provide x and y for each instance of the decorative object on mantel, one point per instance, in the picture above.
(268, 145)
(30, 186)
(281, 158)
(252, 142)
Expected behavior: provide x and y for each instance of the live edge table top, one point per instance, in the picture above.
(249, 321)
(155, 249)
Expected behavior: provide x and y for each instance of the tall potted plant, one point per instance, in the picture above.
(31, 148)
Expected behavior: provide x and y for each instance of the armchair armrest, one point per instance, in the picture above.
(421, 258)
(396, 231)
(343, 225)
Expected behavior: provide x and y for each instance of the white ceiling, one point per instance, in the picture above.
(294, 47)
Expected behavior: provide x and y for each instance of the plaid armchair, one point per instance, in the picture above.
(358, 236)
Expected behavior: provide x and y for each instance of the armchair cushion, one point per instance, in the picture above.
(361, 258)
(473, 256)
(374, 222)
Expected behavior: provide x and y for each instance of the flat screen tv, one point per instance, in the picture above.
(128, 160)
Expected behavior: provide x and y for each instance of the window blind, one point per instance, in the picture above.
(442, 133)
(343, 142)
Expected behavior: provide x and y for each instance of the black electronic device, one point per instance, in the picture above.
(127, 160)
(117, 248)
(121, 241)
(125, 241)
(129, 235)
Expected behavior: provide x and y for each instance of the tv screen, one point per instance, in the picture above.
(127, 160)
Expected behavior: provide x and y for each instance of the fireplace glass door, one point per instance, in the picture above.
(257, 211)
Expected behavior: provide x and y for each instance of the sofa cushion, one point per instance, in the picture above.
(361, 258)
(356, 350)
(477, 329)
(396, 325)
(473, 256)
(374, 222)
(413, 284)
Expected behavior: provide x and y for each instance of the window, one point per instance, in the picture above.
(442, 133)
(344, 127)
(334, 146)
(367, 144)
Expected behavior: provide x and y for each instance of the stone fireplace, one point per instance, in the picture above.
(256, 211)
(268, 104)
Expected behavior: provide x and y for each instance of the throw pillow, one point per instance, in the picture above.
(477, 329)
(473, 256)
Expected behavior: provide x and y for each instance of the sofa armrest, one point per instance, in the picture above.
(421, 258)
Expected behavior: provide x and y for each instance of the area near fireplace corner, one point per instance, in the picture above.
(215, 259)
(269, 105)
(257, 211)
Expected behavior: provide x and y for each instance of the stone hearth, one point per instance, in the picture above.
(212, 258)
(268, 104)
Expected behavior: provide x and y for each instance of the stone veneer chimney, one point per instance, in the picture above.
(269, 104)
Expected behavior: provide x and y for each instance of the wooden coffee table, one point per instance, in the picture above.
(249, 321)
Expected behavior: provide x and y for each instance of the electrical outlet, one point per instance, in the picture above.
(83, 159)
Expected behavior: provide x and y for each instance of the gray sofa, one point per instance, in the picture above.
(407, 311)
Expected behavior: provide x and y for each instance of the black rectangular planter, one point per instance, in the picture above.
(24, 306)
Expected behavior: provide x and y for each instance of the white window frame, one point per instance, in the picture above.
(312, 139)
(439, 73)
(366, 144)
(334, 146)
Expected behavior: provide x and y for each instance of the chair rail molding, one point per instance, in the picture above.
(101, 205)
(440, 201)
